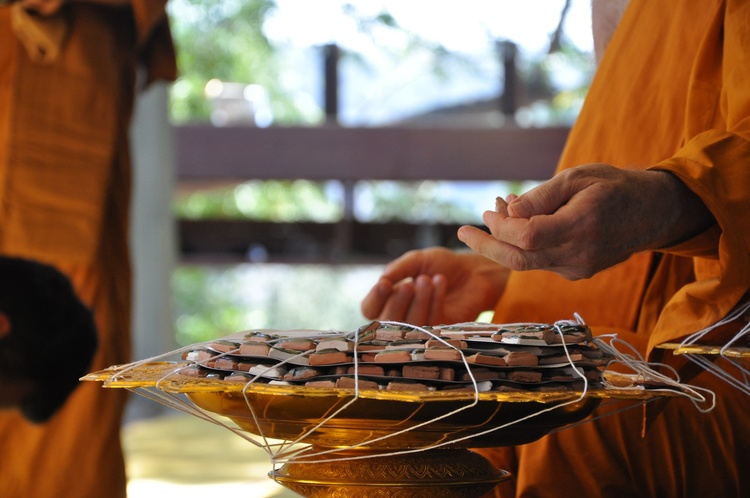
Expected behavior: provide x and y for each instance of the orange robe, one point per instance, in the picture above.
(672, 93)
(64, 191)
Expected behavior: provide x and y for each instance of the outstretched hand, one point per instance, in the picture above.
(589, 218)
(435, 286)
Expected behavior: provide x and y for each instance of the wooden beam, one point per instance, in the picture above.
(307, 242)
(206, 153)
(391, 153)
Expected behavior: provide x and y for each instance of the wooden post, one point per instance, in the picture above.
(331, 82)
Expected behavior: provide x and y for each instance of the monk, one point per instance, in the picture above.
(67, 83)
(644, 231)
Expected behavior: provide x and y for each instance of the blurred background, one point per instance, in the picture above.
(306, 144)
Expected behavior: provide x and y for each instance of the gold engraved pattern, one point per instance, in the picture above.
(449, 473)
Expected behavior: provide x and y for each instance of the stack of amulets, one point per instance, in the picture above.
(472, 356)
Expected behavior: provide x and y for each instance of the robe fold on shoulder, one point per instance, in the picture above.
(64, 195)
(672, 93)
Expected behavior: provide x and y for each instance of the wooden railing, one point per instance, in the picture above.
(205, 153)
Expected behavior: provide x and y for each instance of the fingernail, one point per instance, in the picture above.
(501, 206)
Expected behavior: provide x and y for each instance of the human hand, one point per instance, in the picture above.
(435, 286)
(589, 218)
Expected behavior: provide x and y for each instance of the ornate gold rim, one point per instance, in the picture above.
(166, 377)
(732, 352)
(383, 484)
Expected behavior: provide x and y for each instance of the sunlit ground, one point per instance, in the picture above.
(180, 455)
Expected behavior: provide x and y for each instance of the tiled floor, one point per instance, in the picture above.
(181, 455)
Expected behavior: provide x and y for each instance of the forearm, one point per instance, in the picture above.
(685, 216)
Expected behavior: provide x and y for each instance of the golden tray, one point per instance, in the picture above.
(372, 419)
(373, 443)
(731, 352)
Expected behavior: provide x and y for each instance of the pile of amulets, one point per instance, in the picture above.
(474, 356)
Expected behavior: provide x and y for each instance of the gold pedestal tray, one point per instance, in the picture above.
(706, 349)
(371, 421)
(451, 473)
(385, 427)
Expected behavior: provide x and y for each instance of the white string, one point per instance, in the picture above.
(173, 401)
(289, 451)
(741, 381)
(635, 404)
(368, 442)
(453, 441)
(645, 371)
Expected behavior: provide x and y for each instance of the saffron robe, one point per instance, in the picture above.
(64, 192)
(672, 93)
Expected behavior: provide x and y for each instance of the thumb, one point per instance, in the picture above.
(543, 199)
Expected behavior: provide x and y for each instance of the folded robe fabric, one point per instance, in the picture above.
(64, 195)
(42, 36)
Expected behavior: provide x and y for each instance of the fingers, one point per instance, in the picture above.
(538, 232)
(576, 224)
(397, 305)
(439, 292)
(565, 259)
(490, 247)
(376, 304)
(419, 309)
(503, 228)
(501, 206)
(406, 266)
(374, 301)
(543, 199)
(410, 301)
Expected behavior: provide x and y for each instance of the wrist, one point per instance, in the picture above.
(686, 214)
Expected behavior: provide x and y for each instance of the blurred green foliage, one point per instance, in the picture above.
(223, 39)
(214, 301)
(268, 200)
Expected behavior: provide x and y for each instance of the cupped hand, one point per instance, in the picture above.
(435, 286)
(589, 218)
